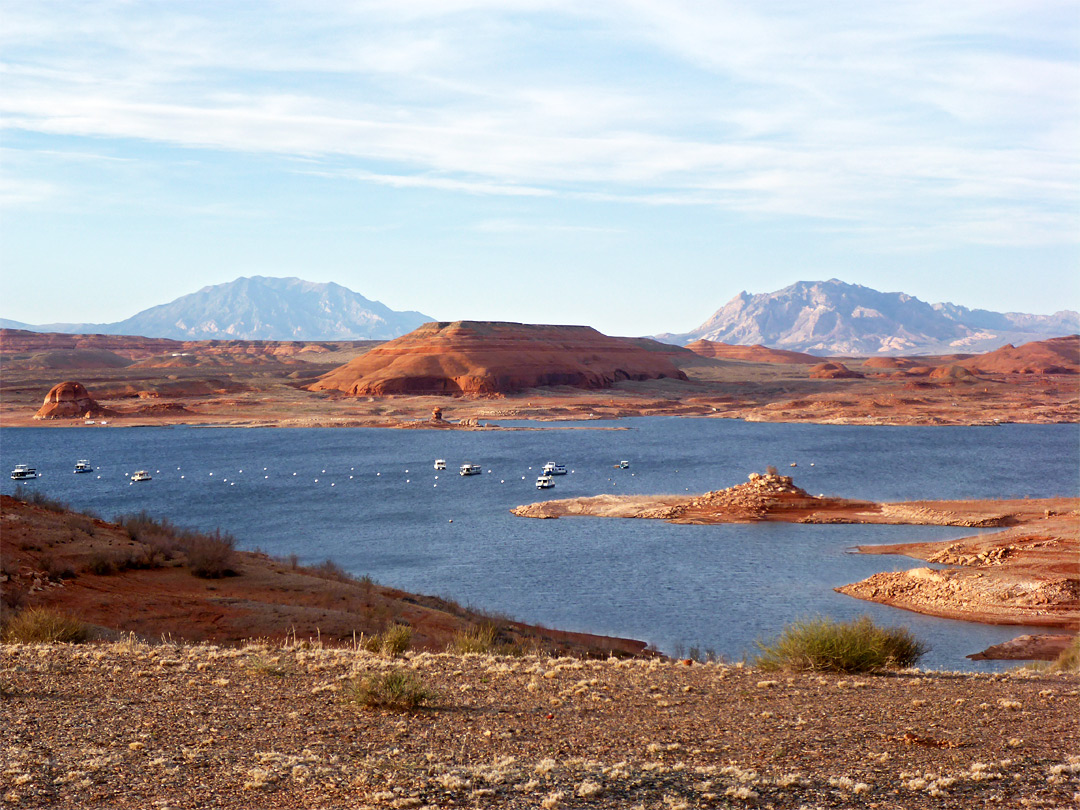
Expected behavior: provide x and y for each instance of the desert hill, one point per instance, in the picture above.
(835, 318)
(27, 350)
(1055, 356)
(259, 308)
(139, 577)
(750, 354)
(476, 357)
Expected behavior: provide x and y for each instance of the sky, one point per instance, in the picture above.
(628, 165)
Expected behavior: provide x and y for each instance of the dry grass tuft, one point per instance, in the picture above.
(391, 642)
(399, 689)
(45, 626)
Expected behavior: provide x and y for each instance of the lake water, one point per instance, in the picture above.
(370, 500)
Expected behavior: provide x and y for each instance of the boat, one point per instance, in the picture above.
(83, 466)
(22, 472)
(140, 475)
(551, 468)
(470, 469)
(624, 465)
(545, 482)
(440, 464)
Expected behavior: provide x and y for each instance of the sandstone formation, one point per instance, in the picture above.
(1055, 356)
(70, 400)
(833, 371)
(752, 354)
(952, 373)
(476, 357)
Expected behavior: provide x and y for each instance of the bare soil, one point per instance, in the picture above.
(130, 725)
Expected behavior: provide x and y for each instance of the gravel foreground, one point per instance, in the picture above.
(131, 725)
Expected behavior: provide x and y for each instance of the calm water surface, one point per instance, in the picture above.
(370, 500)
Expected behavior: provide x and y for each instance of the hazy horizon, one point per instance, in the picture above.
(627, 165)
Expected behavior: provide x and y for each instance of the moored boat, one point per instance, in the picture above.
(551, 468)
(470, 469)
(140, 475)
(545, 482)
(83, 466)
(23, 472)
(440, 464)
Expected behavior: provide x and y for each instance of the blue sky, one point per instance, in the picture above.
(629, 165)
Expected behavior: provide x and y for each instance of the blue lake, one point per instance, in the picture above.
(370, 500)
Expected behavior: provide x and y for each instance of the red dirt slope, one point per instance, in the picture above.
(476, 357)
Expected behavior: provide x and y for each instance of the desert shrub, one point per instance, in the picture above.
(328, 569)
(39, 498)
(263, 665)
(13, 593)
(855, 646)
(210, 555)
(391, 642)
(399, 689)
(44, 625)
(479, 639)
(101, 564)
(1069, 660)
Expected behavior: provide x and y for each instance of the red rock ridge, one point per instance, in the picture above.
(479, 357)
(751, 354)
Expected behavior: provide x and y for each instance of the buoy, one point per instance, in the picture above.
(793, 464)
(333, 485)
(451, 520)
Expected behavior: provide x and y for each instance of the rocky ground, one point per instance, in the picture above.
(130, 725)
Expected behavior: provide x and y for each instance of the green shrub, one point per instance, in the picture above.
(391, 642)
(44, 625)
(479, 639)
(399, 689)
(855, 646)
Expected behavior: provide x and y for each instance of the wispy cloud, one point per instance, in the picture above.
(947, 116)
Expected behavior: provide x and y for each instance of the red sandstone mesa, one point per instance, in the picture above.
(477, 357)
(70, 400)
